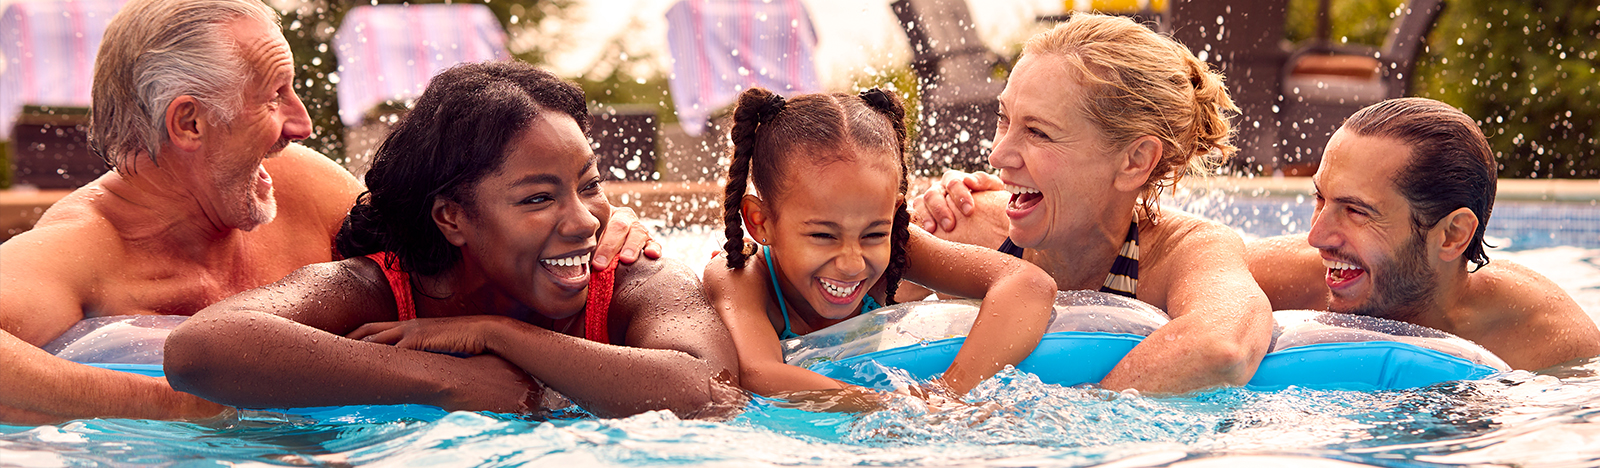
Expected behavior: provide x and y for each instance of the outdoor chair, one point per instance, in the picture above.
(1323, 83)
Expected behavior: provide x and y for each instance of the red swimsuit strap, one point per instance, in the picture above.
(598, 304)
(596, 308)
(399, 281)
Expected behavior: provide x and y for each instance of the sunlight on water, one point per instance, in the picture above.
(1011, 420)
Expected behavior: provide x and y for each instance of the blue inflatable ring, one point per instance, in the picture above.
(1090, 332)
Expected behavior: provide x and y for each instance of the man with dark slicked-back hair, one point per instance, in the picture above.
(1404, 194)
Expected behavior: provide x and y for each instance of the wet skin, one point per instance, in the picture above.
(532, 225)
(230, 207)
(272, 116)
(830, 239)
(513, 303)
(168, 239)
(1067, 190)
(1074, 195)
(1364, 255)
(1362, 228)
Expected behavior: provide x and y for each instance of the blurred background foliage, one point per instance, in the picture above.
(1527, 70)
(1363, 22)
(309, 29)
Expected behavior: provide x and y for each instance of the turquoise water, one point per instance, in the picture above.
(1550, 419)
(1516, 418)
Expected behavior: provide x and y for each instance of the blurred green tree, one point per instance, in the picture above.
(1526, 70)
(1363, 22)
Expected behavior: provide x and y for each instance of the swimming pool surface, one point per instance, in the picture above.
(1548, 419)
(1517, 418)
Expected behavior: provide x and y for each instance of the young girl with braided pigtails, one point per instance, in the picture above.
(831, 241)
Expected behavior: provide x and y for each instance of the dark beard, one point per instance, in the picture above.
(1406, 288)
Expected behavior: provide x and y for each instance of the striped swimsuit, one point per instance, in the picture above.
(1124, 277)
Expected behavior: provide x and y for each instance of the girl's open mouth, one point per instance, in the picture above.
(839, 292)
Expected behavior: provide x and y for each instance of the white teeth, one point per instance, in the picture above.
(1334, 265)
(574, 260)
(1020, 190)
(839, 290)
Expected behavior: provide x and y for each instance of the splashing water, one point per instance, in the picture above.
(1009, 420)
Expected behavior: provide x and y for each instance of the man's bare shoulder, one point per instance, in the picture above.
(1515, 289)
(309, 186)
(52, 272)
(73, 226)
(1516, 308)
(306, 167)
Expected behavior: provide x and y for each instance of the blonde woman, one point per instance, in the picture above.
(1101, 114)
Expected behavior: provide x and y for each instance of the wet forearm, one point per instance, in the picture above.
(1193, 353)
(608, 380)
(772, 378)
(259, 360)
(38, 388)
(1010, 323)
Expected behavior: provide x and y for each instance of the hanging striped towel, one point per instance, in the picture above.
(722, 47)
(389, 52)
(49, 49)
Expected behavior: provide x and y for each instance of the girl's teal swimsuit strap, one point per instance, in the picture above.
(868, 304)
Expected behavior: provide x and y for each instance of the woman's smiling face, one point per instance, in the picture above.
(1052, 158)
(534, 221)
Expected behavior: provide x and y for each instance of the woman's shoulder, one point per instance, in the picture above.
(1179, 241)
(335, 296)
(648, 275)
(1175, 229)
(350, 277)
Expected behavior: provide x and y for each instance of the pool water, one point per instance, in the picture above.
(1547, 419)
(1517, 418)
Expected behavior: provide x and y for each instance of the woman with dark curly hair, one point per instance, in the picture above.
(466, 283)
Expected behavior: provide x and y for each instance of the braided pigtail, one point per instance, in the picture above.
(756, 107)
(891, 107)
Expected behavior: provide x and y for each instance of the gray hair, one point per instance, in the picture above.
(155, 51)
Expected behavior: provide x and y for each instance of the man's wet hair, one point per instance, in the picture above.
(1451, 164)
(443, 148)
(155, 51)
